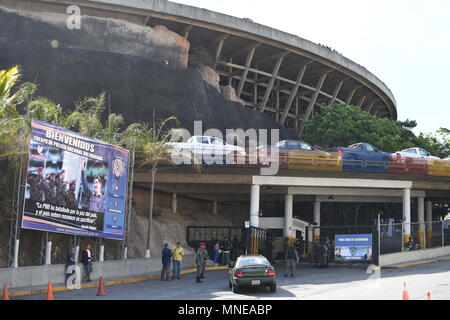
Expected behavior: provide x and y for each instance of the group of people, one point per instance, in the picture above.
(321, 252)
(412, 244)
(52, 188)
(230, 250)
(87, 258)
(172, 256)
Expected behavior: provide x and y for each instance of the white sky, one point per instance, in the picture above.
(405, 43)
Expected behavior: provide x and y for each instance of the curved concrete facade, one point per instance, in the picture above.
(274, 72)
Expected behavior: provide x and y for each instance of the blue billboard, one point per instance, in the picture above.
(75, 184)
(353, 247)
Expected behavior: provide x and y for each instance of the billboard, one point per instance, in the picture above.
(353, 247)
(75, 184)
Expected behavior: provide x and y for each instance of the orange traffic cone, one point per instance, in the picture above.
(405, 293)
(49, 294)
(428, 295)
(5, 292)
(101, 288)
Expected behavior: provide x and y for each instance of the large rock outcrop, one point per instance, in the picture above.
(139, 68)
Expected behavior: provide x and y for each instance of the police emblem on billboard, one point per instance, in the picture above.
(118, 167)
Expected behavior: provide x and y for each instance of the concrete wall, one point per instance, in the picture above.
(409, 256)
(29, 277)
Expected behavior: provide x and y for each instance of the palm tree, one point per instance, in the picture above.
(151, 143)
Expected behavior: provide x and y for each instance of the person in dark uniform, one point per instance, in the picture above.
(50, 191)
(316, 252)
(200, 260)
(61, 188)
(69, 195)
(37, 184)
(96, 197)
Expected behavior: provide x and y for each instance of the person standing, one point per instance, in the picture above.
(234, 249)
(87, 258)
(216, 252)
(200, 260)
(166, 260)
(291, 258)
(70, 262)
(177, 258)
(225, 251)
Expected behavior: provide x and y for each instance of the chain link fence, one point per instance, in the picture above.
(426, 235)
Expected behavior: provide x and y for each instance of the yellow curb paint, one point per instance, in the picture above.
(107, 283)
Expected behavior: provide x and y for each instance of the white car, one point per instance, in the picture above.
(206, 145)
(417, 153)
(446, 159)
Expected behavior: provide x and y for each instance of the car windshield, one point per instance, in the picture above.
(305, 146)
(252, 261)
(217, 141)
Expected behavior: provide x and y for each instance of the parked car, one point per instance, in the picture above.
(205, 145)
(363, 157)
(417, 153)
(252, 271)
(286, 147)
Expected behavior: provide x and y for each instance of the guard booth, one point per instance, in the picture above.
(249, 240)
(351, 244)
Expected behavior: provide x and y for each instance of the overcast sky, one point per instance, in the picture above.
(405, 43)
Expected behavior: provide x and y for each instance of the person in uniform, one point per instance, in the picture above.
(37, 184)
(50, 188)
(61, 188)
(69, 195)
(200, 260)
(291, 258)
(96, 197)
(316, 252)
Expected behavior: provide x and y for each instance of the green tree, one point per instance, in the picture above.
(342, 125)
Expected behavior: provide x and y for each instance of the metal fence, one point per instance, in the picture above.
(430, 235)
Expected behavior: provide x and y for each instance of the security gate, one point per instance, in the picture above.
(243, 240)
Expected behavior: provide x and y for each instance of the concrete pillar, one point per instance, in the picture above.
(406, 215)
(16, 253)
(48, 253)
(125, 253)
(215, 207)
(101, 256)
(288, 204)
(77, 253)
(174, 203)
(429, 219)
(317, 220)
(421, 219)
(254, 205)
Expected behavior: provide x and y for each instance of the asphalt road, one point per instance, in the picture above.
(335, 283)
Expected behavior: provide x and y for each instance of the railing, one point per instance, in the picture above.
(430, 235)
(317, 161)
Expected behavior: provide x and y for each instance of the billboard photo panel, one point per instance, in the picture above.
(75, 184)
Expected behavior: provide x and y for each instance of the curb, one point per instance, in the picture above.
(107, 283)
(416, 264)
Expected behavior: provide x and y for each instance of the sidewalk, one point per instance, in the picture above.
(16, 292)
(416, 263)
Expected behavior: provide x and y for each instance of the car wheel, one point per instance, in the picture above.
(235, 289)
(273, 288)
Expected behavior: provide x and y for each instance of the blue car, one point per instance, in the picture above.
(363, 157)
